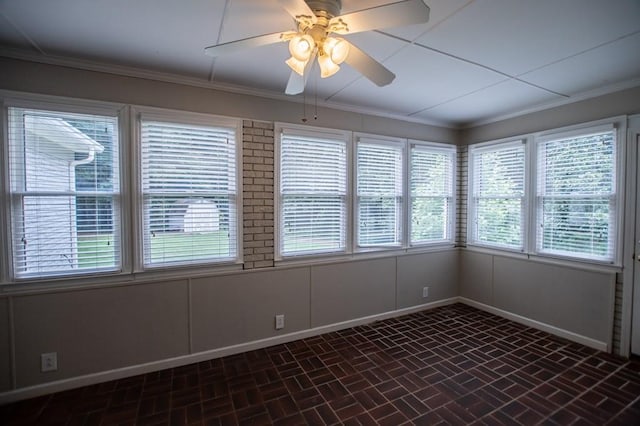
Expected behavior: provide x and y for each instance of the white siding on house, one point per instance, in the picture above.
(43, 150)
(49, 222)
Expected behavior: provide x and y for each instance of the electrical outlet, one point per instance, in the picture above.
(425, 292)
(49, 362)
(279, 322)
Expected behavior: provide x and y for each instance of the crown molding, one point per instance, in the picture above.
(580, 96)
(128, 71)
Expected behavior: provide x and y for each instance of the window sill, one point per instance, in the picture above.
(311, 260)
(583, 265)
(75, 283)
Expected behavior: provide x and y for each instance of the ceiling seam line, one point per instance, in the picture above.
(512, 77)
(23, 34)
(457, 97)
(403, 40)
(213, 60)
(631, 34)
(428, 30)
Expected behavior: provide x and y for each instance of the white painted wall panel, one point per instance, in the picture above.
(5, 355)
(232, 309)
(438, 271)
(344, 291)
(574, 300)
(98, 330)
(476, 276)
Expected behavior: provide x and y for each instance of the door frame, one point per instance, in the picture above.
(631, 268)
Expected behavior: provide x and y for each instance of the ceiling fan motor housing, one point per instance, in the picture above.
(325, 8)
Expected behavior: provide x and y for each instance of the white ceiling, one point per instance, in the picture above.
(474, 61)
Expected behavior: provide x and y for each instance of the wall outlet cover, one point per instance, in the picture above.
(49, 362)
(279, 322)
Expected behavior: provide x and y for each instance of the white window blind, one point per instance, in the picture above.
(498, 175)
(64, 192)
(313, 194)
(189, 193)
(431, 191)
(379, 193)
(577, 197)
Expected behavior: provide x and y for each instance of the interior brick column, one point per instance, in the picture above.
(257, 193)
(462, 191)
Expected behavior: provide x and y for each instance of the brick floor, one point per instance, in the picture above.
(450, 365)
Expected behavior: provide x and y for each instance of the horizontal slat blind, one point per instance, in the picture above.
(379, 188)
(577, 196)
(189, 192)
(498, 174)
(65, 193)
(431, 186)
(313, 191)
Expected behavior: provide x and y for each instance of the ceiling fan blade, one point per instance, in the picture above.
(369, 67)
(398, 14)
(297, 9)
(245, 43)
(296, 81)
(295, 84)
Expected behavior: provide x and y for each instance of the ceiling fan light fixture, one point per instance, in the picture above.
(336, 48)
(301, 47)
(327, 66)
(297, 65)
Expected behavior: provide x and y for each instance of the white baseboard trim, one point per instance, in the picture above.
(134, 370)
(569, 335)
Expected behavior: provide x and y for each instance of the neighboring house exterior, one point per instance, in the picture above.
(51, 149)
(195, 215)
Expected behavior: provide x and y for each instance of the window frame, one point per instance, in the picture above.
(402, 144)
(618, 127)
(352, 249)
(64, 105)
(471, 199)
(129, 195)
(451, 214)
(320, 133)
(140, 113)
(531, 218)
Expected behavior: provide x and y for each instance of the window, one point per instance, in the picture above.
(189, 192)
(576, 195)
(574, 198)
(431, 191)
(64, 192)
(402, 197)
(498, 194)
(313, 193)
(379, 192)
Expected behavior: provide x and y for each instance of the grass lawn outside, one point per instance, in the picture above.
(97, 251)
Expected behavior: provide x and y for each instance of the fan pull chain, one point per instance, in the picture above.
(315, 88)
(304, 106)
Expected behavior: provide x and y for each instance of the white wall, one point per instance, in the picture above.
(614, 104)
(100, 329)
(578, 303)
(436, 271)
(129, 324)
(239, 308)
(5, 346)
(60, 81)
(105, 329)
(155, 322)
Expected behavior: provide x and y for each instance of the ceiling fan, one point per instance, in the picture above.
(317, 22)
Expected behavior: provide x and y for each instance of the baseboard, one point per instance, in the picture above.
(569, 335)
(134, 370)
